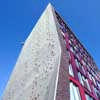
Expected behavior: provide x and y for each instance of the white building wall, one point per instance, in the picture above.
(35, 73)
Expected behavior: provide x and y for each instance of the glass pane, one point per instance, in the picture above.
(74, 92)
(80, 78)
(72, 96)
(88, 97)
(71, 70)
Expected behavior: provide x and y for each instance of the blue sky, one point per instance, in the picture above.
(18, 17)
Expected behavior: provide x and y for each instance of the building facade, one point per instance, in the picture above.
(53, 65)
(83, 73)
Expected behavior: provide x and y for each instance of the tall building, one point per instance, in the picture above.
(53, 65)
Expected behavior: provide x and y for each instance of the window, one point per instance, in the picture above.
(89, 76)
(70, 42)
(74, 92)
(80, 78)
(88, 97)
(79, 65)
(71, 70)
(83, 81)
(72, 49)
(93, 80)
(76, 63)
(97, 93)
(98, 84)
(83, 63)
(62, 33)
(88, 86)
(83, 69)
(75, 47)
(77, 55)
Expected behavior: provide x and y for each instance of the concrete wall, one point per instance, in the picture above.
(41, 71)
(35, 73)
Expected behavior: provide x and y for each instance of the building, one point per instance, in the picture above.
(53, 65)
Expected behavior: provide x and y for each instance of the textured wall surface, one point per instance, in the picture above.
(62, 91)
(35, 73)
(41, 71)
